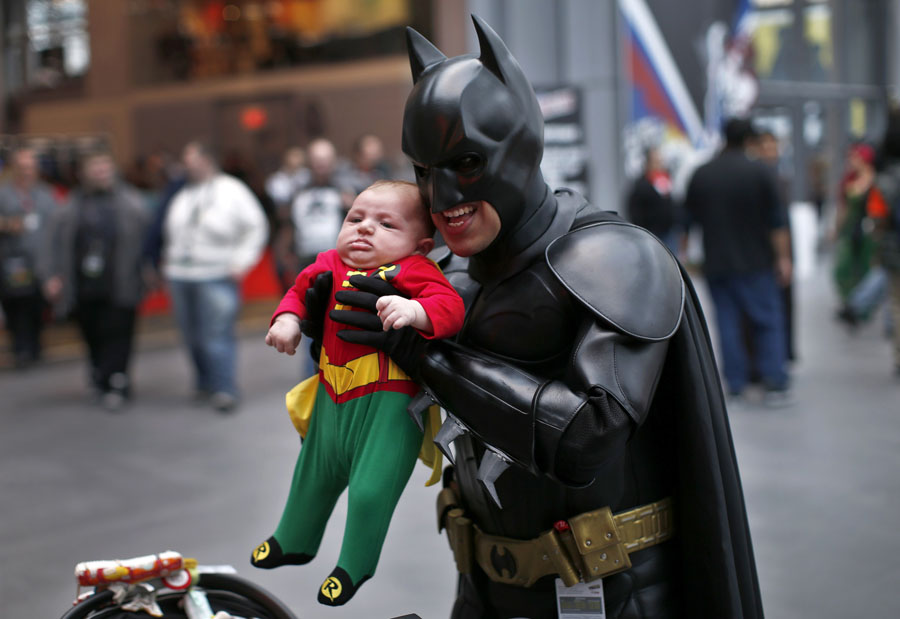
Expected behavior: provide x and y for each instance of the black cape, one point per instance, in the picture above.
(718, 566)
(712, 518)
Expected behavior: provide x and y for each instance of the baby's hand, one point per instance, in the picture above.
(284, 334)
(396, 312)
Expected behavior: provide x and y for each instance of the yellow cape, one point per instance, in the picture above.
(300, 401)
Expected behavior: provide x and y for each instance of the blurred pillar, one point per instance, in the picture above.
(451, 21)
(110, 72)
(109, 78)
(3, 93)
(572, 43)
(893, 50)
(841, 139)
(799, 66)
(590, 46)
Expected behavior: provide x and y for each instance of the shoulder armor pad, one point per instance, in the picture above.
(624, 275)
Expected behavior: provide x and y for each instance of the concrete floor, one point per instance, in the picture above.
(822, 481)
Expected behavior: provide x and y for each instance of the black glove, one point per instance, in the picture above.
(405, 346)
(316, 302)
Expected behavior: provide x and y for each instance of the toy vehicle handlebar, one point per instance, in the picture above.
(134, 570)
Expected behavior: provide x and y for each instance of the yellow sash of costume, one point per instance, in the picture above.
(300, 401)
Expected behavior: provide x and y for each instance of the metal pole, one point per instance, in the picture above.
(840, 107)
(3, 23)
(893, 50)
(798, 70)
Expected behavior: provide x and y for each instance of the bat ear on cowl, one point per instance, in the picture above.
(494, 54)
(422, 53)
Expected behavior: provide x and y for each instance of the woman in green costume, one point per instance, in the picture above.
(854, 247)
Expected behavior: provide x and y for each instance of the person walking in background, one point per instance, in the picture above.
(369, 163)
(854, 242)
(884, 208)
(153, 240)
(767, 150)
(318, 209)
(291, 177)
(214, 233)
(650, 203)
(282, 186)
(94, 269)
(747, 254)
(26, 205)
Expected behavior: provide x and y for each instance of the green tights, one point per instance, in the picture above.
(368, 444)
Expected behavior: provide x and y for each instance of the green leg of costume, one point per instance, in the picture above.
(384, 456)
(368, 443)
(320, 476)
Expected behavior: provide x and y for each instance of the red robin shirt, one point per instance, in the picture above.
(349, 370)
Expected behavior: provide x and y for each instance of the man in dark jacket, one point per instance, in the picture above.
(583, 401)
(885, 210)
(650, 203)
(26, 206)
(747, 256)
(94, 269)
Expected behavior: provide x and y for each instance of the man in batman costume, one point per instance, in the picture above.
(582, 393)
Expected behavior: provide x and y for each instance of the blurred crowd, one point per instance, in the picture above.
(88, 242)
(740, 200)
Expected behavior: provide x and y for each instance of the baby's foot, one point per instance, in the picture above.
(338, 588)
(269, 554)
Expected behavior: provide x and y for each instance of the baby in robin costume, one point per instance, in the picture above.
(360, 435)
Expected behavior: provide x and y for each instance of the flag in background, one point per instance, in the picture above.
(657, 89)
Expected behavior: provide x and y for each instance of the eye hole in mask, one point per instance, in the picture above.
(468, 164)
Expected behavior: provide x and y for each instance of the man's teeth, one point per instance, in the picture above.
(460, 211)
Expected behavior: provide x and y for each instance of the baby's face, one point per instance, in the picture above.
(381, 227)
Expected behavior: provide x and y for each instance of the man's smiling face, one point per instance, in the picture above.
(474, 134)
(469, 228)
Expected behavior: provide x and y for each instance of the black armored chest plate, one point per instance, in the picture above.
(529, 319)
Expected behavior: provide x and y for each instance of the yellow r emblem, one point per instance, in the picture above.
(261, 552)
(331, 588)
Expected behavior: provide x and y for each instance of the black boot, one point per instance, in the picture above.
(269, 554)
(338, 588)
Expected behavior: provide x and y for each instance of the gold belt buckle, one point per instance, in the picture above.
(599, 545)
(603, 540)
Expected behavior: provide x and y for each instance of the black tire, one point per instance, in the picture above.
(225, 592)
(87, 606)
(250, 591)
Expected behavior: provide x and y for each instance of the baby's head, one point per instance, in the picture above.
(386, 222)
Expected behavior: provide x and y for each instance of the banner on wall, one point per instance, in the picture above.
(565, 162)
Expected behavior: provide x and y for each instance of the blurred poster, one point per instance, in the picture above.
(349, 17)
(565, 151)
(686, 70)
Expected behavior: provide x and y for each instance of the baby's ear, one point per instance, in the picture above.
(424, 246)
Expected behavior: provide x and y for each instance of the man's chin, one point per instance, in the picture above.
(462, 253)
(463, 248)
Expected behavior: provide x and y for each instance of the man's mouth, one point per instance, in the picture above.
(459, 215)
(360, 244)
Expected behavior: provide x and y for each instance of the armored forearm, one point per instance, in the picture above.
(544, 426)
